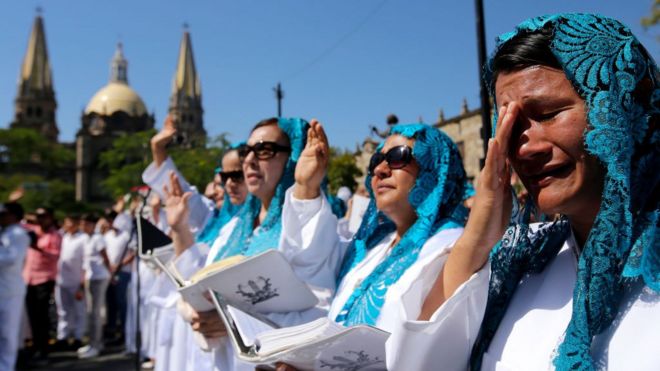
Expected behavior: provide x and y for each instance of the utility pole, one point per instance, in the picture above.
(485, 101)
(279, 95)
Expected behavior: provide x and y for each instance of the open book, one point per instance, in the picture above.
(318, 345)
(263, 283)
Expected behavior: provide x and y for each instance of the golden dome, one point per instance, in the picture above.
(116, 96)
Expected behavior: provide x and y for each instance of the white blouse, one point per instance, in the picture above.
(436, 246)
(531, 330)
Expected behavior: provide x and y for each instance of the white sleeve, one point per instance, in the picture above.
(13, 249)
(201, 208)
(447, 338)
(190, 261)
(309, 240)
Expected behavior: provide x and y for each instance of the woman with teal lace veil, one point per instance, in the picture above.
(235, 192)
(269, 159)
(417, 182)
(577, 101)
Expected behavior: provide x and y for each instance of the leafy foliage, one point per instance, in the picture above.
(131, 154)
(21, 149)
(342, 170)
(41, 192)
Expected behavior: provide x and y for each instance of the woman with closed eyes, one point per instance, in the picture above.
(578, 103)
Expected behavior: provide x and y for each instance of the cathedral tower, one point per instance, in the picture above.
(34, 106)
(186, 99)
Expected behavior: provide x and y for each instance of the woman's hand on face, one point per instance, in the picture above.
(491, 210)
(208, 324)
(488, 219)
(176, 204)
(312, 164)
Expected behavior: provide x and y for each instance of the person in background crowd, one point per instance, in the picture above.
(70, 285)
(14, 242)
(39, 273)
(120, 254)
(97, 276)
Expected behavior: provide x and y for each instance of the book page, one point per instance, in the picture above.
(249, 327)
(281, 339)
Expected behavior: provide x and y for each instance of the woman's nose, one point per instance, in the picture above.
(529, 141)
(382, 170)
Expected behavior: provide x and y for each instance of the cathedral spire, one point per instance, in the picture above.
(186, 98)
(119, 66)
(186, 81)
(35, 71)
(35, 102)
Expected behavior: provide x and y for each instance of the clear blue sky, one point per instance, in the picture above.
(347, 62)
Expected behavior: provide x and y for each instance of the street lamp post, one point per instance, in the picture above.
(483, 90)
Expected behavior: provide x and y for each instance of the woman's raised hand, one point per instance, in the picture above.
(488, 219)
(176, 205)
(312, 164)
(161, 140)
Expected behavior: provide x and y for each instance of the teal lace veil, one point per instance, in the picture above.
(244, 239)
(611, 70)
(220, 217)
(436, 195)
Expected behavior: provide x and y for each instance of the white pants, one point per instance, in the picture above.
(70, 313)
(11, 310)
(95, 293)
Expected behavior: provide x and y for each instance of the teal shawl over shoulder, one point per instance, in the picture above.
(436, 196)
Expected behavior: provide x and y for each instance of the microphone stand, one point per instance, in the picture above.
(138, 332)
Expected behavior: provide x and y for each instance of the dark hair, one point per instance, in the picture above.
(110, 215)
(266, 122)
(92, 218)
(524, 50)
(15, 209)
(45, 211)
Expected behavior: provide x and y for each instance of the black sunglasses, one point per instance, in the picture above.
(262, 150)
(235, 176)
(397, 158)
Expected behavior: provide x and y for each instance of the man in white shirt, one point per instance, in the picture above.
(120, 254)
(14, 242)
(97, 276)
(70, 285)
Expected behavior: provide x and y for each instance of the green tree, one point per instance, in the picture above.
(342, 170)
(125, 161)
(41, 192)
(25, 149)
(198, 164)
(30, 162)
(131, 154)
